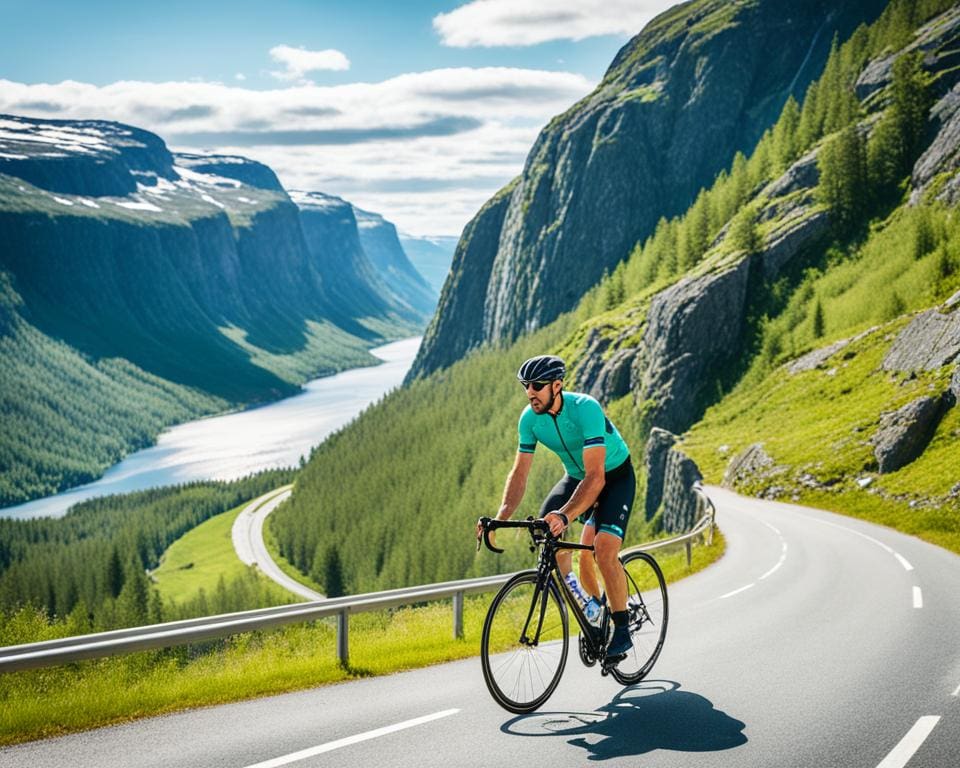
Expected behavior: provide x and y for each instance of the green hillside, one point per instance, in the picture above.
(829, 184)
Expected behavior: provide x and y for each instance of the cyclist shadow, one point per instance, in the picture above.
(653, 715)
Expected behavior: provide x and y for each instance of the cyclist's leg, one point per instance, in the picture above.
(611, 518)
(558, 496)
(588, 566)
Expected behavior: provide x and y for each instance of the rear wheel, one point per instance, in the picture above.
(523, 648)
(647, 610)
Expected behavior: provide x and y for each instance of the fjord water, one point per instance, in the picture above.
(231, 446)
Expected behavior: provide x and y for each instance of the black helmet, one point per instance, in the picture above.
(542, 368)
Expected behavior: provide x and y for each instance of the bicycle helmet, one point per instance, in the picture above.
(542, 368)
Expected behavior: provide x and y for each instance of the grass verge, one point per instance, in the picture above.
(200, 558)
(50, 702)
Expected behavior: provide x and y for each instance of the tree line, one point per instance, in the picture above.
(91, 566)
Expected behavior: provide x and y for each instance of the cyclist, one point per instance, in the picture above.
(598, 486)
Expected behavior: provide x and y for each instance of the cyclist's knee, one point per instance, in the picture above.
(607, 548)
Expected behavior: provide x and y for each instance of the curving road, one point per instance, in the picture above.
(247, 534)
(817, 640)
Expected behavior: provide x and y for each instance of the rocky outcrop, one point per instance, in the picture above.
(605, 377)
(936, 40)
(903, 434)
(942, 156)
(818, 357)
(655, 459)
(671, 475)
(930, 341)
(680, 505)
(693, 328)
(797, 232)
(746, 465)
(600, 176)
(803, 174)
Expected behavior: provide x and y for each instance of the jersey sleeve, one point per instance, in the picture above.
(528, 441)
(593, 422)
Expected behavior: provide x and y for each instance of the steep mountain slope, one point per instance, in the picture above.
(601, 175)
(383, 248)
(186, 278)
(816, 322)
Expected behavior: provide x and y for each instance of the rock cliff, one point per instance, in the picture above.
(600, 176)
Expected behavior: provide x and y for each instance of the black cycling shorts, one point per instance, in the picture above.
(611, 511)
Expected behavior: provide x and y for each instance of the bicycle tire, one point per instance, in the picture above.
(649, 613)
(522, 675)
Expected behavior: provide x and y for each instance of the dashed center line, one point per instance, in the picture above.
(956, 692)
(917, 598)
(737, 591)
(910, 743)
(330, 746)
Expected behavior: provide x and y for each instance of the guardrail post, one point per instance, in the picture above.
(458, 616)
(343, 640)
(688, 545)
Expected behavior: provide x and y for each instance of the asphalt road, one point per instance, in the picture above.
(817, 640)
(247, 535)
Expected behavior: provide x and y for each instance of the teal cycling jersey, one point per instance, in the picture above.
(580, 424)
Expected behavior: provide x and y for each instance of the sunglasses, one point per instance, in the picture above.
(537, 385)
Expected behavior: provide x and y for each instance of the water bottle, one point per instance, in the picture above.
(590, 604)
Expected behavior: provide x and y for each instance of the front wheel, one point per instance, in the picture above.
(648, 613)
(523, 648)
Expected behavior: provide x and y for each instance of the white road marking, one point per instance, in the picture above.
(737, 591)
(330, 746)
(903, 561)
(783, 551)
(956, 692)
(917, 598)
(910, 743)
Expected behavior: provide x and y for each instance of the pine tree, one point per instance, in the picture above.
(818, 322)
(333, 583)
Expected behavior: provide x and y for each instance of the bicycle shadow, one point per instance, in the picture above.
(653, 715)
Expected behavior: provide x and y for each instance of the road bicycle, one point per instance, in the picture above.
(525, 640)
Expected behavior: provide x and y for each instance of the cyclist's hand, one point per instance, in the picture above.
(491, 537)
(557, 523)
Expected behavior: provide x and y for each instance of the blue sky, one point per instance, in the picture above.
(417, 110)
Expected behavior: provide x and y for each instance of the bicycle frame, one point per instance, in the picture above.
(548, 569)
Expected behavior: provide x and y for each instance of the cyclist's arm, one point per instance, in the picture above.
(516, 485)
(589, 488)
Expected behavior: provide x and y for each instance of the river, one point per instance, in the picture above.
(236, 444)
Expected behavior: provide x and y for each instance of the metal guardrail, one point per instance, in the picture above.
(121, 641)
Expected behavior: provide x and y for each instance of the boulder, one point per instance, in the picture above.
(930, 341)
(655, 458)
(903, 434)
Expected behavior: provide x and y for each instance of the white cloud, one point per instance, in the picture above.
(530, 22)
(299, 61)
(240, 76)
(425, 149)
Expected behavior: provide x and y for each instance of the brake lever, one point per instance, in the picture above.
(485, 523)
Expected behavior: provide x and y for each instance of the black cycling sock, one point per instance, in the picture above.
(620, 618)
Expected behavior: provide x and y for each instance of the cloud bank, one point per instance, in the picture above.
(425, 149)
(530, 22)
(298, 61)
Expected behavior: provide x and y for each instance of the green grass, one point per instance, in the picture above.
(819, 423)
(273, 549)
(50, 702)
(200, 558)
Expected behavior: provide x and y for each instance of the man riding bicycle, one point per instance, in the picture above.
(598, 486)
